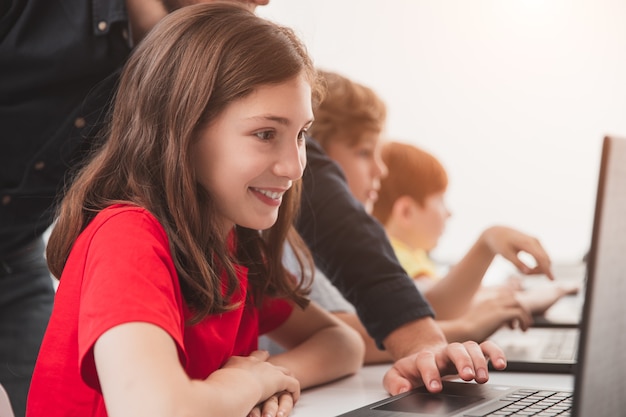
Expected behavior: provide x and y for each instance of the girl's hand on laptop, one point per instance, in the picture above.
(467, 360)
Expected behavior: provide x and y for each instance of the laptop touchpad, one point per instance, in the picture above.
(429, 403)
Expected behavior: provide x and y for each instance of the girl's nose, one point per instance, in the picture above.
(291, 161)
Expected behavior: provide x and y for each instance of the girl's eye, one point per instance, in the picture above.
(265, 135)
(301, 135)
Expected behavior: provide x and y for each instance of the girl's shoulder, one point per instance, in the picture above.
(124, 211)
(126, 218)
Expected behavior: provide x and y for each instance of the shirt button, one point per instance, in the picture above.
(102, 26)
(6, 199)
(125, 34)
(79, 123)
(39, 165)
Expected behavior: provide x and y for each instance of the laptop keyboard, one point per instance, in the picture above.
(527, 402)
(562, 346)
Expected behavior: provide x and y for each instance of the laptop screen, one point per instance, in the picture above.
(599, 386)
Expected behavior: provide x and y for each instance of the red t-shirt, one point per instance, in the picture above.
(120, 270)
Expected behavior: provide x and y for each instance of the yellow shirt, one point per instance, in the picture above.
(414, 261)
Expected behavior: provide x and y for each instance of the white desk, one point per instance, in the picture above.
(366, 387)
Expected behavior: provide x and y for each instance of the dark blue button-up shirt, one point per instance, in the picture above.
(53, 54)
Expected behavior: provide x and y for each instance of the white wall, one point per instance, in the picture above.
(513, 96)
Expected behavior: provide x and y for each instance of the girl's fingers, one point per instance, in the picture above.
(278, 405)
(270, 406)
(256, 412)
(285, 404)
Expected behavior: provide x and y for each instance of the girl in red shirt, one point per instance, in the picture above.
(169, 242)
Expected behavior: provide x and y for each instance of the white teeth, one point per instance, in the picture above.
(271, 194)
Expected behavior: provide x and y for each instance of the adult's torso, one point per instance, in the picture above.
(53, 54)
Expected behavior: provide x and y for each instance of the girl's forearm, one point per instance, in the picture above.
(331, 353)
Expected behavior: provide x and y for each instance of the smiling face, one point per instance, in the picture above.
(253, 151)
(361, 164)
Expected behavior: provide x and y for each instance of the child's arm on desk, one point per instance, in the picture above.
(320, 348)
(141, 375)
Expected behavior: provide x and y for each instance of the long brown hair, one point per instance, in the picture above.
(188, 69)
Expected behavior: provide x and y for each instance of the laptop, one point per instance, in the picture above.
(539, 349)
(601, 368)
(551, 344)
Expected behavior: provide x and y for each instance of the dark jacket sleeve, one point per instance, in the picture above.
(352, 249)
